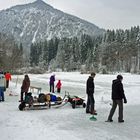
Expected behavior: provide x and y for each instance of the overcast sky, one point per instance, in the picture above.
(108, 14)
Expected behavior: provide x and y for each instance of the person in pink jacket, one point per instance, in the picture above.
(58, 86)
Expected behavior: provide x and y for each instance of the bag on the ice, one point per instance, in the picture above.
(42, 98)
(53, 98)
(59, 99)
(29, 98)
(48, 97)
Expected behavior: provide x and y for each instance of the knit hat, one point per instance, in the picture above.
(119, 77)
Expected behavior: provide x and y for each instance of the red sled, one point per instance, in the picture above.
(76, 101)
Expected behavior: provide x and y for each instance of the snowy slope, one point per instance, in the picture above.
(67, 123)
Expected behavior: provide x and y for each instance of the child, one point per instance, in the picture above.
(58, 86)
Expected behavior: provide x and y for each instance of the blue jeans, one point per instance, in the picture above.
(1, 93)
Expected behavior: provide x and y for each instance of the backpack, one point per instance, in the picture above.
(42, 98)
(53, 98)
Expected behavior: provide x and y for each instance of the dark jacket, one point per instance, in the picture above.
(25, 85)
(117, 90)
(52, 79)
(90, 86)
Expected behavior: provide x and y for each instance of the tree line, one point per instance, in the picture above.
(11, 54)
(114, 51)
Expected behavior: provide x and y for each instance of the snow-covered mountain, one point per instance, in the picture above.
(38, 21)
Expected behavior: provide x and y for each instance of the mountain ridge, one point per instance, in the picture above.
(38, 21)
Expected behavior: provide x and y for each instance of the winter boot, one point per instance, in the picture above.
(120, 121)
(109, 120)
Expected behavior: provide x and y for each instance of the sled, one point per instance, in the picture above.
(43, 101)
(33, 88)
(76, 101)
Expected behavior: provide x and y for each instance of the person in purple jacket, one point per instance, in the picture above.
(52, 80)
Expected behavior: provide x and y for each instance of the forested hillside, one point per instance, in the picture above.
(11, 54)
(116, 50)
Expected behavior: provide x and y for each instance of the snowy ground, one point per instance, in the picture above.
(66, 123)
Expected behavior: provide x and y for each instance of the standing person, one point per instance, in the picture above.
(7, 77)
(90, 94)
(2, 86)
(58, 86)
(52, 80)
(117, 97)
(25, 86)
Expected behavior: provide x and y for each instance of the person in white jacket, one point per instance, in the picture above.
(2, 86)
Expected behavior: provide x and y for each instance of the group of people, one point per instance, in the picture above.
(118, 97)
(58, 85)
(26, 84)
(5, 77)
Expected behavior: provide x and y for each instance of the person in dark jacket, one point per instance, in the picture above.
(118, 97)
(90, 94)
(25, 86)
(52, 80)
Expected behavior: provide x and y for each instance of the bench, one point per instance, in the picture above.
(33, 88)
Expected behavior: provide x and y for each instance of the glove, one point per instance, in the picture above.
(125, 101)
(4, 89)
